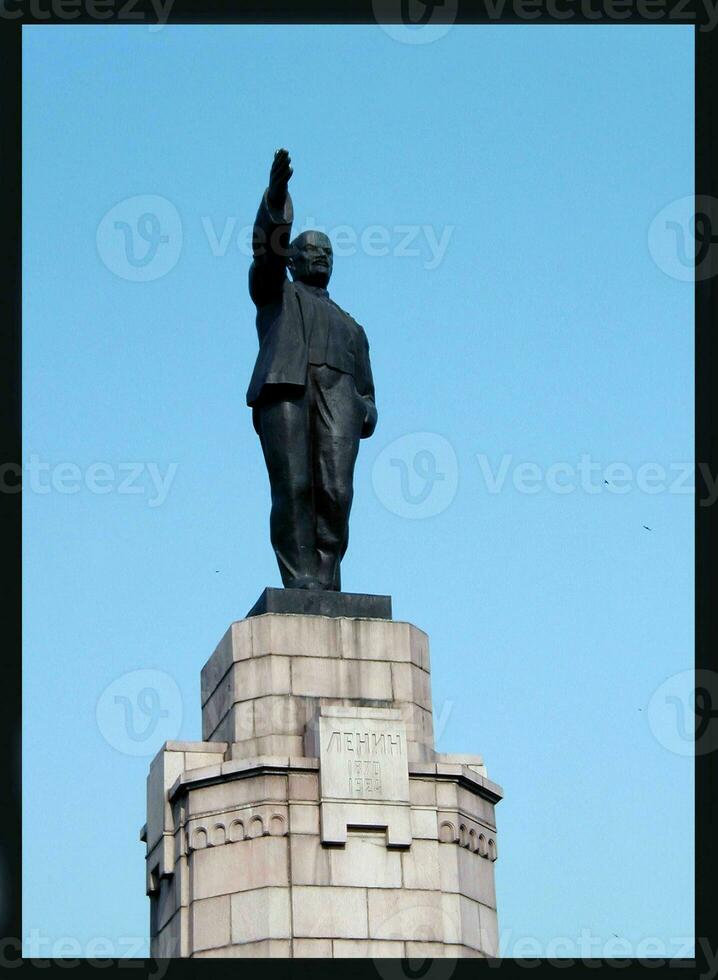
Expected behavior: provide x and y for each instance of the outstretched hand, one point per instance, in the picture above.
(278, 179)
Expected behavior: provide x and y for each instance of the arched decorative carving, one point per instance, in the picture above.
(474, 837)
(236, 831)
(277, 825)
(447, 832)
(229, 828)
(256, 826)
(219, 835)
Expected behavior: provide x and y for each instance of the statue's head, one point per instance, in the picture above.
(310, 260)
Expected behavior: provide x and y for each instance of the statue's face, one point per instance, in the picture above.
(311, 260)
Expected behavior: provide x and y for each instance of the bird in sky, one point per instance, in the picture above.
(647, 527)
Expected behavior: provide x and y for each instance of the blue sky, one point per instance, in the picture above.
(525, 317)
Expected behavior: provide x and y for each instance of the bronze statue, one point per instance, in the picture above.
(311, 393)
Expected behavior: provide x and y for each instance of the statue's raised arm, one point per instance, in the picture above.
(271, 234)
(279, 177)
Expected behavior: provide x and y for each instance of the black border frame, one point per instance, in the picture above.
(14, 14)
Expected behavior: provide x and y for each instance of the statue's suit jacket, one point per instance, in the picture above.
(285, 313)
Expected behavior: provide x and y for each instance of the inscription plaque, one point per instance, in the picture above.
(363, 772)
(363, 757)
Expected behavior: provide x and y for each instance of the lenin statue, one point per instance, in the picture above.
(311, 393)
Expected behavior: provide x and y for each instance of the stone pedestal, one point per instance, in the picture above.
(316, 819)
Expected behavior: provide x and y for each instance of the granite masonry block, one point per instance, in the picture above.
(210, 922)
(319, 912)
(261, 914)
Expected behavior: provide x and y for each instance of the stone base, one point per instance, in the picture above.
(270, 674)
(354, 838)
(312, 602)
